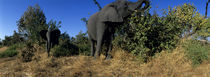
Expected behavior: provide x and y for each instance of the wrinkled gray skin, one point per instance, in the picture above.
(101, 25)
(52, 37)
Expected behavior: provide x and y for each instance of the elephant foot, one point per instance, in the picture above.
(108, 57)
(96, 57)
(48, 55)
(92, 55)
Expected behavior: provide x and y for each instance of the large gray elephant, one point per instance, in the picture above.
(52, 38)
(101, 25)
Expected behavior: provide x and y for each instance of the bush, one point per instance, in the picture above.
(12, 50)
(82, 42)
(27, 52)
(8, 53)
(145, 35)
(65, 50)
(16, 38)
(65, 47)
(196, 51)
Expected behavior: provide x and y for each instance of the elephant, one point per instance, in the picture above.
(52, 38)
(101, 25)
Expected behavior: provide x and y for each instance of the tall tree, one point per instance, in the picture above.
(31, 22)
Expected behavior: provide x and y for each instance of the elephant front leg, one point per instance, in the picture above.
(98, 47)
(100, 37)
(48, 48)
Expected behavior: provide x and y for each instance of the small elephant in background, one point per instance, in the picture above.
(52, 38)
(102, 24)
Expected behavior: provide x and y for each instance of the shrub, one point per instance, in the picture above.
(12, 50)
(145, 35)
(8, 53)
(196, 51)
(64, 50)
(65, 47)
(16, 38)
(82, 42)
(27, 52)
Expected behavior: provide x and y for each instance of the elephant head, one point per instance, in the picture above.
(52, 38)
(118, 10)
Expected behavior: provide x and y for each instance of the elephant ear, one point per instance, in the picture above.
(56, 33)
(43, 34)
(55, 36)
(110, 14)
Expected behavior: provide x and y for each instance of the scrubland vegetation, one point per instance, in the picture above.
(167, 45)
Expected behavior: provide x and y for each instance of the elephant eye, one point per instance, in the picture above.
(126, 5)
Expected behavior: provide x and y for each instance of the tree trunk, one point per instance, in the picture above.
(207, 3)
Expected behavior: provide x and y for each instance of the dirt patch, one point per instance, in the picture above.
(2, 49)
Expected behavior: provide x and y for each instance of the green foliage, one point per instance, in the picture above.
(204, 33)
(147, 34)
(72, 46)
(8, 53)
(14, 39)
(191, 22)
(82, 42)
(31, 23)
(65, 50)
(12, 50)
(196, 51)
(65, 47)
(54, 25)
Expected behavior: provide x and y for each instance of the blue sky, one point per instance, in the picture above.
(70, 12)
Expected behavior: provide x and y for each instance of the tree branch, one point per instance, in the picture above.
(97, 4)
(207, 3)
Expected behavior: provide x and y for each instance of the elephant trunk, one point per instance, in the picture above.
(147, 3)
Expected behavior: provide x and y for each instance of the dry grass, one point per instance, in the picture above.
(165, 64)
(123, 64)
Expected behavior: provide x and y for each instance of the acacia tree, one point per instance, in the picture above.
(31, 22)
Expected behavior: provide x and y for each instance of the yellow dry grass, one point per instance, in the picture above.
(123, 64)
(166, 64)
